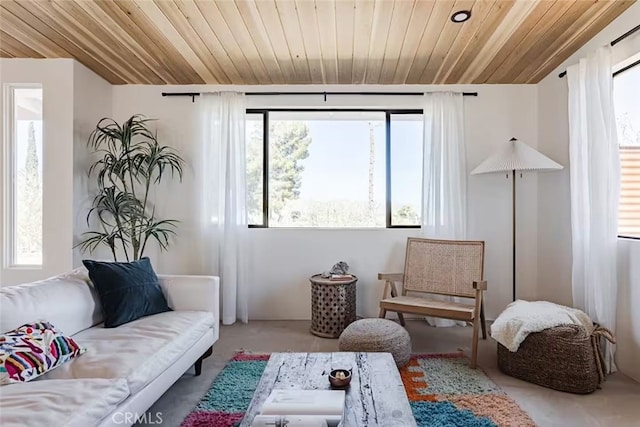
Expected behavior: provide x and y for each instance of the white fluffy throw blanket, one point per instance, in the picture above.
(521, 318)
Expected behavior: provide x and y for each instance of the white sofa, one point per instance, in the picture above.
(125, 369)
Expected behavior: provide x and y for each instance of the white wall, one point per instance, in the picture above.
(56, 77)
(628, 331)
(283, 259)
(554, 216)
(92, 101)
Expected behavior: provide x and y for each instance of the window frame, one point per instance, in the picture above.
(614, 74)
(9, 199)
(265, 159)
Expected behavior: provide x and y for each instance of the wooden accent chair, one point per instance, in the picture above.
(445, 267)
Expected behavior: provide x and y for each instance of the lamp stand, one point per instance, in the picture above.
(516, 156)
(513, 232)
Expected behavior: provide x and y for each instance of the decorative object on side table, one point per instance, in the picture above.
(333, 305)
(339, 271)
(131, 163)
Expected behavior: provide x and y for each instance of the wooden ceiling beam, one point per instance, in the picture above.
(382, 14)
(439, 16)
(268, 15)
(21, 9)
(16, 47)
(73, 21)
(452, 38)
(23, 32)
(255, 27)
(415, 29)
(306, 41)
(221, 44)
(470, 32)
(345, 15)
(600, 20)
(326, 27)
(539, 35)
(306, 12)
(510, 45)
(494, 18)
(233, 19)
(574, 19)
(402, 14)
(83, 38)
(153, 65)
(201, 32)
(232, 33)
(362, 28)
(6, 54)
(500, 34)
(135, 23)
(288, 17)
(176, 28)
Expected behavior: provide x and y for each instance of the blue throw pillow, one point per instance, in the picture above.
(127, 290)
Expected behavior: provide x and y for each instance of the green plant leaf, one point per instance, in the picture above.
(131, 161)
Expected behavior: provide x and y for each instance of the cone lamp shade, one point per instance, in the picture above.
(516, 156)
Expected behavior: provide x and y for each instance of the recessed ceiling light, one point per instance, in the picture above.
(461, 16)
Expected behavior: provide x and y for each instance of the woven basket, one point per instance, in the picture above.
(564, 358)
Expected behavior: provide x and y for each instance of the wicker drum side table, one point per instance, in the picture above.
(333, 305)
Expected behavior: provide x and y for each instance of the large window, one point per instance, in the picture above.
(334, 168)
(406, 168)
(626, 86)
(23, 173)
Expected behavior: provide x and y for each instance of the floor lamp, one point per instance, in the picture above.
(516, 156)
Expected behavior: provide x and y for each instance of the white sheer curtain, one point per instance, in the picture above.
(444, 198)
(595, 188)
(224, 197)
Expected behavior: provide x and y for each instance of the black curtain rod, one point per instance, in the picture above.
(613, 43)
(194, 94)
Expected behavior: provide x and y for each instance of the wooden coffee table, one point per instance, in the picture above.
(375, 397)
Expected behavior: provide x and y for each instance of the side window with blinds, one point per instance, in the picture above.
(626, 87)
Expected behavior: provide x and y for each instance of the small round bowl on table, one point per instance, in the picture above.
(338, 382)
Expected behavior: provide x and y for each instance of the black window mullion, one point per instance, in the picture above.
(387, 124)
(265, 169)
(265, 166)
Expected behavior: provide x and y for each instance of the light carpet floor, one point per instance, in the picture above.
(617, 404)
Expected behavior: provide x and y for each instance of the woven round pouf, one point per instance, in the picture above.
(377, 336)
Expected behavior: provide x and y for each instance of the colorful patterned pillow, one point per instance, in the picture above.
(33, 349)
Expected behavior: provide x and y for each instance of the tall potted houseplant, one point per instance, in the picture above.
(131, 162)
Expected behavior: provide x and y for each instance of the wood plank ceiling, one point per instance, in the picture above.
(305, 41)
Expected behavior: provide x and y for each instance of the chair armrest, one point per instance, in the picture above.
(392, 277)
(199, 293)
(480, 285)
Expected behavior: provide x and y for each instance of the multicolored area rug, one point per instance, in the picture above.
(443, 392)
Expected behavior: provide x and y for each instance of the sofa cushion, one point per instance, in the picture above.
(68, 301)
(138, 351)
(32, 350)
(63, 403)
(128, 290)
